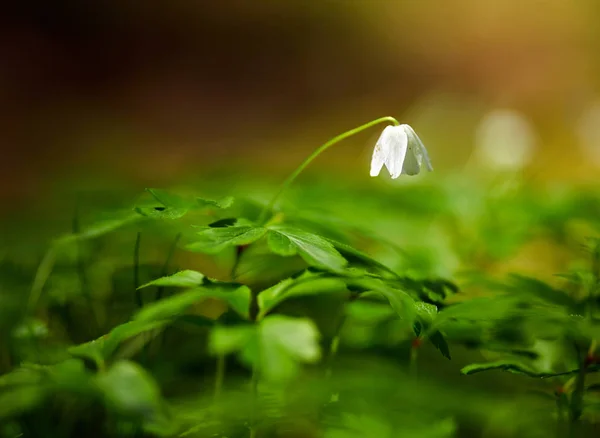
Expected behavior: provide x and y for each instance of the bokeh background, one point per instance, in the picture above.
(146, 92)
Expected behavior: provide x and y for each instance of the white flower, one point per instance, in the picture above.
(402, 152)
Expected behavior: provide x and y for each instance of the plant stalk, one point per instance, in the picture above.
(290, 179)
(136, 270)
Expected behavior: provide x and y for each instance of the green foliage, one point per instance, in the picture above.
(215, 240)
(186, 278)
(309, 323)
(238, 297)
(276, 347)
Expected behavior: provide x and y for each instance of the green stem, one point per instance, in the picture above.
(413, 362)
(315, 154)
(136, 270)
(80, 263)
(41, 276)
(165, 268)
(576, 402)
(254, 407)
(220, 375)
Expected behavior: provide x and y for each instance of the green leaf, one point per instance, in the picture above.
(20, 376)
(301, 286)
(532, 286)
(426, 312)
(504, 365)
(276, 347)
(238, 297)
(315, 250)
(516, 368)
(439, 342)
(92, 351)
(352, 253)
(71, 375)
(16, 401)
(281, 244)
(128, 330)
(161, 212)
(186, 278)
(366, 311)
(215, 240)
(486, 309)
(130, 390)
(285, 343)
(171, 206)
(222, 203)
(100, 350)
(402, 303)
(169, 200)
(225, 222)
(230, 339)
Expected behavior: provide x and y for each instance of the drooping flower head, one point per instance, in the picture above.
(401, 151)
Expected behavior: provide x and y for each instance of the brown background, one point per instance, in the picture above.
(149, 90)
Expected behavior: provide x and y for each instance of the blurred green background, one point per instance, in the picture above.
(149, 91)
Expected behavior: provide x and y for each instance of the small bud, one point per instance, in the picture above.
(416, 342)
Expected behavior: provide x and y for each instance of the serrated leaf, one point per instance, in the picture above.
(126, 331)
(426, 312)
(170, 200)
(539, 289)
(171, 206)
(438, 341)
(101, 349)
(281, 244)
(509, 366)
(315, 250)
(225, 222)
(161, 212)
(289, 288)
(516, 368)
(187, 278)
(215, 240)
(479, 309)
(349, 252)
(402, 303)
(222, 203)
(176, 305)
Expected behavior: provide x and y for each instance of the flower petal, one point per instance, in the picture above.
(380, 153)
(418, 149)
(412, 163)
(378, 159)
(397, 142)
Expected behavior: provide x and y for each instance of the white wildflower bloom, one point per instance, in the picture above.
(401, 151)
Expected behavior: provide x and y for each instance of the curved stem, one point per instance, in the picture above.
(136, 271)
(413, 363)
(315, 154)
(41, 276)
(219, 376)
